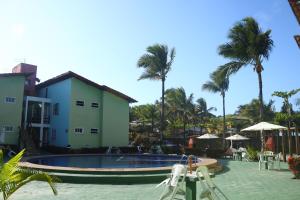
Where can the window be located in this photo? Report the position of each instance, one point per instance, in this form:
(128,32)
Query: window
(56,109)
(79,103)
(8,129)
(95,105)
(53,135)
(78,130)
(94,130)
(10,100)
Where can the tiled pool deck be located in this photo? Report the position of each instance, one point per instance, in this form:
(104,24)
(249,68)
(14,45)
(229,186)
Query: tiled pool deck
(239,180)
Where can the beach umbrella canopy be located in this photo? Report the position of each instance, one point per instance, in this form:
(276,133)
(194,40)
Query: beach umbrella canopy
(208,136)
(264,126)
(237,137)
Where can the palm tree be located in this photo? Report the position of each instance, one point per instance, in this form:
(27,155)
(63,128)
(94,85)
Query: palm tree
(248,45)
(12,177)
(203,111)
(181,105)
(157,63)
(286,96)
(219,83)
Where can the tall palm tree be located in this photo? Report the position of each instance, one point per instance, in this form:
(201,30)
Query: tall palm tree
(247,45)
(219,83)
(286,96)
(157,63)
(13,177)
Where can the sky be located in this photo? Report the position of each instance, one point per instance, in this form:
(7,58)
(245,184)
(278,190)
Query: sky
(102,41)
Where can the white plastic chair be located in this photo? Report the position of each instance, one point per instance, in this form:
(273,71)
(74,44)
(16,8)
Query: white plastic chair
(208,189)
(261,161)
(175,184)
(277,160)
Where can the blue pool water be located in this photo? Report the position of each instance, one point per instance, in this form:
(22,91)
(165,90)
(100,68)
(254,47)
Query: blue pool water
(109,161)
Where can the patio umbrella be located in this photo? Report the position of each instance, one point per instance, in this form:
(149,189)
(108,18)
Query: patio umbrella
(263,126)
(208,136)
(236,137)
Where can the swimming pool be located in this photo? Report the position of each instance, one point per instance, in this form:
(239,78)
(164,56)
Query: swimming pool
(109,168)
(109,161)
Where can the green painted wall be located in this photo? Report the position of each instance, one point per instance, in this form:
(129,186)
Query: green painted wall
(115,120)
(11,113)
(85,117)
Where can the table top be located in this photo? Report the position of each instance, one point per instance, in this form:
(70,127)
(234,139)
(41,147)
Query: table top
(193,177)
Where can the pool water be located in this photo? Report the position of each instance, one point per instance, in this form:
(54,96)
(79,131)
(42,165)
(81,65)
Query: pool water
(109,161)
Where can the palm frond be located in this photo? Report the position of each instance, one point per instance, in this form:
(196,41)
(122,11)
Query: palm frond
(211,87)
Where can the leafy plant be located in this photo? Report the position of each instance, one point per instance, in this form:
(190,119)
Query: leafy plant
(12,177)
(252,153)
(294,166)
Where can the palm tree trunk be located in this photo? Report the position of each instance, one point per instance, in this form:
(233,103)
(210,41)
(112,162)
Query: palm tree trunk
(297,140)
(261,102)
(162,109)
(184,138)
(283,147)
(224,121)
(289,138)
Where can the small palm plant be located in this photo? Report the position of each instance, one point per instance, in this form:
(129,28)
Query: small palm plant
(12,177)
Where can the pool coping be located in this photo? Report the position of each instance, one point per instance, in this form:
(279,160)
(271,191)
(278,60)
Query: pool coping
(25,163)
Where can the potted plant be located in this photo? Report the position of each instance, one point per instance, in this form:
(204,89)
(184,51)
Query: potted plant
(294,165)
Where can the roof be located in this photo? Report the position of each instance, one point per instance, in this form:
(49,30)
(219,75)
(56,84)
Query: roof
(71,74)
(295,5)
(14,74)
(297,38)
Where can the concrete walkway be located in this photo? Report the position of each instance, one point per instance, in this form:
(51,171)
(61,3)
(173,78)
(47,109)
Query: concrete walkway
(239,180)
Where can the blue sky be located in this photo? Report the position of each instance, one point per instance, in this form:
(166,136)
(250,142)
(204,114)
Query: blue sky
(102,40)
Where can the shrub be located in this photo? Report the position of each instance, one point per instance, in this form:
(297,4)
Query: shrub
(294,165)
(252,153)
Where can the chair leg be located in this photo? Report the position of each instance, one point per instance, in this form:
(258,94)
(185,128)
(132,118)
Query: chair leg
(166,194)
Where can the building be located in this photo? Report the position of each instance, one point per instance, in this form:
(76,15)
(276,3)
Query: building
(295,5)
(65,111)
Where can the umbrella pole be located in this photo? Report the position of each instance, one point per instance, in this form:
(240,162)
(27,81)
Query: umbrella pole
(262,140)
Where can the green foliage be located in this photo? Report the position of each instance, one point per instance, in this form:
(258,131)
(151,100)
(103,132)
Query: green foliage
(219,82)
(156,62)
(286,96)
(252,153)
(282,119)
(247,45)
(251,111)
(12,177)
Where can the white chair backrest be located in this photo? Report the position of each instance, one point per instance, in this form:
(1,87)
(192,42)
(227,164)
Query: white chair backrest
(242,149)
(177,170)
(278,156)
(269,153)
(261,157)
